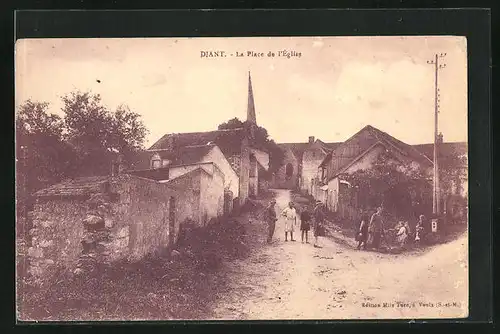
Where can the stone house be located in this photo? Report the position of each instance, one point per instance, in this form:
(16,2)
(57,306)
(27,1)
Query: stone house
(300,164)
(313,156)
(237,146)
(289,174)
(163,165)
(359,153)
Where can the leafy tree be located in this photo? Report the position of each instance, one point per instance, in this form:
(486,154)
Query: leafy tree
(402,189)
(42,156)
(233,123)
(98,134)
(450,172)
(261,141)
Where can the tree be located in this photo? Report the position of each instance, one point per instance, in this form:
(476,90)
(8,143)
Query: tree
(402,189)
(42,156)
(261,141)
(451,170)
(98,134)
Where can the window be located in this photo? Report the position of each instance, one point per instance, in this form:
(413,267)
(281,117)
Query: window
(156,161)
(289,170)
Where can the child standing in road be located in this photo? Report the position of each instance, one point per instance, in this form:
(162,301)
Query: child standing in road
(419,229)
(290,215)
(402,233)
(305,218)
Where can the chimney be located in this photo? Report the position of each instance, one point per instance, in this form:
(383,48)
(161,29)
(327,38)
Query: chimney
(311,139)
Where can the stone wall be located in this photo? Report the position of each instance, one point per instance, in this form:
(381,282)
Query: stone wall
(144,207)
(128,221)
(56,235)
(281,180)
(244,174)
(211,196)
(311,160)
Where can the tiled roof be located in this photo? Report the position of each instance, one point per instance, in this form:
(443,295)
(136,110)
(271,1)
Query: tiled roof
(328,146)
(445,149)
(83,186)
(181,156)
(332,146)
(229,141)
(140,160)
(349,150)
(296,148)
(189,154)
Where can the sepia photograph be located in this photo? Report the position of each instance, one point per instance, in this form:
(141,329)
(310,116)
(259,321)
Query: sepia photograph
(241,178)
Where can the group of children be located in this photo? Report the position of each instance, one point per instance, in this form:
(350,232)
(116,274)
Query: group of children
(369,234)
(290,217)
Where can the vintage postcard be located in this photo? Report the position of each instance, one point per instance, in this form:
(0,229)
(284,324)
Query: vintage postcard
(262,178)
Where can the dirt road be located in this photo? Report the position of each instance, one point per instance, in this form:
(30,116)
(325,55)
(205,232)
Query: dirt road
(291,280)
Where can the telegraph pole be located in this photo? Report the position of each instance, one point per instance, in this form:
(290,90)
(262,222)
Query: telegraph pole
(436,205)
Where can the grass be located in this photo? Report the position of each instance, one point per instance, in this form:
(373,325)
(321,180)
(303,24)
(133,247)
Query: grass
(179,285)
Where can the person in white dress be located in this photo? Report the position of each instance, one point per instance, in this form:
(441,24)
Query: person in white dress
(402,233)
(290,216)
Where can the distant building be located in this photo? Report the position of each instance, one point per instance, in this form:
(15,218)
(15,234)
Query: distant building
(314,167)
(289,174)
(164,165)
(300,164)
(236,146)
(359,153)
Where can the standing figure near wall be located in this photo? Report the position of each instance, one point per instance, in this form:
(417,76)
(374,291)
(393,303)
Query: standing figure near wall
(271,220)
(319,217)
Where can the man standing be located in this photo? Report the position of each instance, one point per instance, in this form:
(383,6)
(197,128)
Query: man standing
(319,217)
(376,229)
(290,215)
(362,235)
(271,220)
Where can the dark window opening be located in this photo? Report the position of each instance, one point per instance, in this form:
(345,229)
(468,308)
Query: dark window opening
(155,164)
(289,170)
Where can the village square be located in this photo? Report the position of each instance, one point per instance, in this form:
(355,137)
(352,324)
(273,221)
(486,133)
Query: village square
(229,224)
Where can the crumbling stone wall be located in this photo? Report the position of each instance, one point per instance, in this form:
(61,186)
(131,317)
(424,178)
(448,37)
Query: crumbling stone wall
(127,219)
(75,233)
(56,235)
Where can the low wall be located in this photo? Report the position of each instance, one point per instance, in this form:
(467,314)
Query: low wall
(128,221)
(56,235)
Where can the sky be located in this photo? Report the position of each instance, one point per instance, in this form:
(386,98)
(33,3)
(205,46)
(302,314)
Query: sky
(337,86)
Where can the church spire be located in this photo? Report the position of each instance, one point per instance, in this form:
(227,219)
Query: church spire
(251,104)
